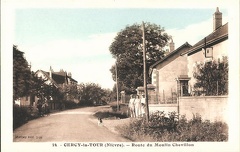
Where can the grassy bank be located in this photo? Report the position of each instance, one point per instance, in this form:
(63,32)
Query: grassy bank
(162,128)
(113,112)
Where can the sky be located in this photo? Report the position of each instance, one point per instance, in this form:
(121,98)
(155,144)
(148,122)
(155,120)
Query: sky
(77,40)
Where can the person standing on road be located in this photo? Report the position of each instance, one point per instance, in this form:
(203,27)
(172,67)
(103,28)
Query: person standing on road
(39,106)
(138,106)
(131,106)
(143,103)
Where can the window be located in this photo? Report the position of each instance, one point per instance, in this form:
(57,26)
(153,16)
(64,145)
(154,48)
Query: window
(182,85)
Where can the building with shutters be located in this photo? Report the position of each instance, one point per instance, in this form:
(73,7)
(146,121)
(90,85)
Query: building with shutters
(173,75)
(212,47)
(166,71)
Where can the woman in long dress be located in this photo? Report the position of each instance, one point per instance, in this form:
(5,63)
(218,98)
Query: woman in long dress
(131,106)
(143,103)
(138,106)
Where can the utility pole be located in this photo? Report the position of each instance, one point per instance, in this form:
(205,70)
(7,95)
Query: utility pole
(116,85)
(145,73)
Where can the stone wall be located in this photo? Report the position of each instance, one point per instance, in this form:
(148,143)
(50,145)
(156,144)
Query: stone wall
(213,108)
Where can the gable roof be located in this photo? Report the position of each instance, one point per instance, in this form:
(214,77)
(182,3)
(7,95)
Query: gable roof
(217,36)
(72,79)
(57,77)
(170,54)
(47,76)
(61,77)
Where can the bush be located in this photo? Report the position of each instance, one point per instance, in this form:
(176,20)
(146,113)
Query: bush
(162,128)
(123,109)
(140,130)
(70,104)
(20,116)
(110,115)
(212,77)
(32,112)
(198,130)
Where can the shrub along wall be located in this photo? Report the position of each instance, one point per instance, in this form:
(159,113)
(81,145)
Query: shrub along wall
(168,129)
(20,116)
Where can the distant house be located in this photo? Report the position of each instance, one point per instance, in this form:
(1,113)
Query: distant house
(60,78)
(167,71)
(213,47)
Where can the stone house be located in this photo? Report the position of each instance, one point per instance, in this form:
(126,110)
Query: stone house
(213,47)
(167,71)
(173,75)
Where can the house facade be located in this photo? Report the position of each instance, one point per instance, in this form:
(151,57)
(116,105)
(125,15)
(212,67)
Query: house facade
(58,79)
(167,73)
(213,47)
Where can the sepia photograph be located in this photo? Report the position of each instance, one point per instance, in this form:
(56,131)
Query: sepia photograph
(123,76)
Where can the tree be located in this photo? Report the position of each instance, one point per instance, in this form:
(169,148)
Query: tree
(107,96)
(45,91)
(70,92)
(127,50)
(91,93)
(22,78)
(212,77)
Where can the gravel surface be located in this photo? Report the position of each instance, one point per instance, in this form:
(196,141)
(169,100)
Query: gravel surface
(77,125)
(112,123)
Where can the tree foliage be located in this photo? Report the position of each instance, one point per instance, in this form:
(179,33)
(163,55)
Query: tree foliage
(212,77)
(45,91)
(22,79)
(91,94)
(127,49)
(70,92)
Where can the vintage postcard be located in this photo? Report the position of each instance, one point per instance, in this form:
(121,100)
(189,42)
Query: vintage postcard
(120,75)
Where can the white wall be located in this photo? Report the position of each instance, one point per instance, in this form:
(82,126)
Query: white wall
(213,108)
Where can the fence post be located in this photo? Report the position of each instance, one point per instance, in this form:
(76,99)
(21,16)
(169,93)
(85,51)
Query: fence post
(178,108)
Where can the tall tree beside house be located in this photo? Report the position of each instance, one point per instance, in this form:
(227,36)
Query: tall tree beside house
(127,50)
(70,92)
(21,74)
(212,77)
(45,91)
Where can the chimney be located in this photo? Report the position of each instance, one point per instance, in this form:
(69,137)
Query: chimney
(171,46)
(70,74)
(217,19)
(50,72)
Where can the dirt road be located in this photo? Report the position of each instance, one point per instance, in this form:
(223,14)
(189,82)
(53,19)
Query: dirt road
(66,126)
